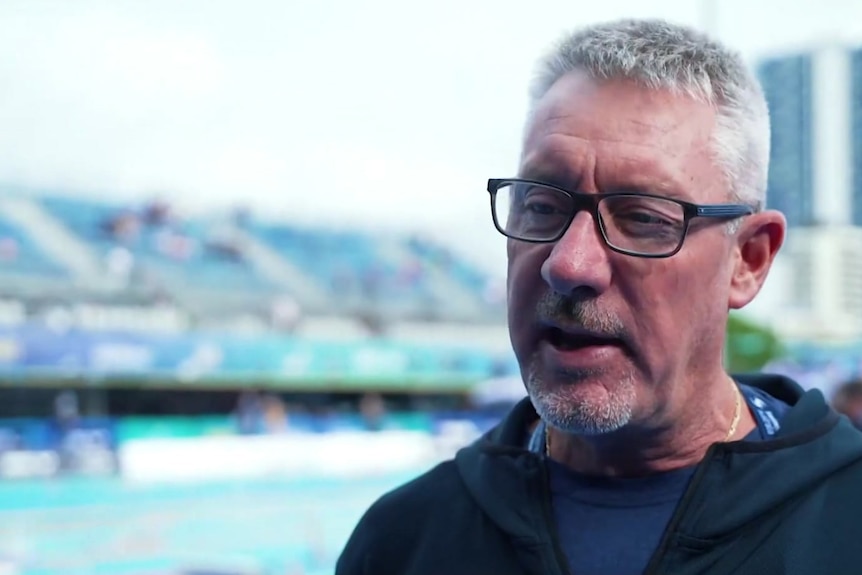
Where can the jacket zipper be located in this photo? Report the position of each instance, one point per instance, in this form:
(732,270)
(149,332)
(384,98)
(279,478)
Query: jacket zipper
(548,514)
(681,509)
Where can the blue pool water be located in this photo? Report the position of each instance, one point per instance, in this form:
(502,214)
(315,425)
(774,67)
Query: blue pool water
(105,527)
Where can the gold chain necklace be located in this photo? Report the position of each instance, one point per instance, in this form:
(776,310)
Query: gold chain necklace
(737,415)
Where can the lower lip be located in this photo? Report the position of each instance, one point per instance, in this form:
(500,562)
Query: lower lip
(582,357)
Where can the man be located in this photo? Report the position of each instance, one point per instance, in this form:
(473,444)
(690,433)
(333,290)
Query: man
(847,400)
(635,224)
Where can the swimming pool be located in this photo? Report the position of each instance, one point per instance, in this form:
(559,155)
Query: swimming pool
(105,527)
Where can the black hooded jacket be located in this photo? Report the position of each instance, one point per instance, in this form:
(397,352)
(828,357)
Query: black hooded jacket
(789,505)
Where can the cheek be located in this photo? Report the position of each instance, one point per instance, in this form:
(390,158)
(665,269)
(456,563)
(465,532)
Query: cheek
(522,293)
(698,306)
(524,285)
(707,286)
(524,273)
(670,299)
(651,300)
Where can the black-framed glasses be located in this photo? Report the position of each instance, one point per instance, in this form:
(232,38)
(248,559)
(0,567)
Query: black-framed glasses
(632,223)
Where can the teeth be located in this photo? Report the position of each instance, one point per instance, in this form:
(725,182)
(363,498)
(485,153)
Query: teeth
(561,340)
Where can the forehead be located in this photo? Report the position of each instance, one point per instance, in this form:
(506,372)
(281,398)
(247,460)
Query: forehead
(610,133)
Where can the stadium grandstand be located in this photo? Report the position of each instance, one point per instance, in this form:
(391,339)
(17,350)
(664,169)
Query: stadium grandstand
(245,367)
(87,268)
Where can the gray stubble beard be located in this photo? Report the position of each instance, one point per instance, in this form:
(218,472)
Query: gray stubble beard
(558,406)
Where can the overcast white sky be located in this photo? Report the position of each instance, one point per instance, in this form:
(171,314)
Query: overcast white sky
(365,111)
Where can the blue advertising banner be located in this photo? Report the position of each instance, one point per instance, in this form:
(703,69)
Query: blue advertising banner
(32,349)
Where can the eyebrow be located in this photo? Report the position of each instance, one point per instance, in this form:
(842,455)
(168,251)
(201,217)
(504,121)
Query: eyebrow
(547,170)
(549,177)
(659,184)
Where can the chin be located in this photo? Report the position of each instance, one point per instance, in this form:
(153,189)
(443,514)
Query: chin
(589,402)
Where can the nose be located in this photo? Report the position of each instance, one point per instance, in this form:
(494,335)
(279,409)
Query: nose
(579,261)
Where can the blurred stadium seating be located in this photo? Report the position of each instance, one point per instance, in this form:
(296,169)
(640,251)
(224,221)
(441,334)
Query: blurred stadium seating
(21,255)
(141,350)
(231,264)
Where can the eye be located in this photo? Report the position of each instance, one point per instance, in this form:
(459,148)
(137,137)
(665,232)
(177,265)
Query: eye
(542,201)
(641,217)
(540,208)
(644,217)
(640,210)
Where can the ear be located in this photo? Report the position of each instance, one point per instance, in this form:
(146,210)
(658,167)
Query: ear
(757,242)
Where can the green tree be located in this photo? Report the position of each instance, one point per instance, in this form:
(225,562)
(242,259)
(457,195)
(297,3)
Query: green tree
(749,346)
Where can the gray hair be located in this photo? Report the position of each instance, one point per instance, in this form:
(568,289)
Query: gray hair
(660,55)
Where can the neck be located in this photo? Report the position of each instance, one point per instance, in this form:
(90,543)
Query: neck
(644,448)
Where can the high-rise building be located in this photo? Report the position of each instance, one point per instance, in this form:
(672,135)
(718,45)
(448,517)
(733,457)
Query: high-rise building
(815,178)
(814,99)
(856,132)
(814,290)
(788,90)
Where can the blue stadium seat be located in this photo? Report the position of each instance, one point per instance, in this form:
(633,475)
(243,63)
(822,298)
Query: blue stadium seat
(346,263)
(194,261)
(349,266)
(19,253)
(465,274)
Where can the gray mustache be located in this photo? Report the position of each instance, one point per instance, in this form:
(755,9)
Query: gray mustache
(567,311)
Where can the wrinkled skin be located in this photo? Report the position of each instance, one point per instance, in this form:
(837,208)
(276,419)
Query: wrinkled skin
(663,378)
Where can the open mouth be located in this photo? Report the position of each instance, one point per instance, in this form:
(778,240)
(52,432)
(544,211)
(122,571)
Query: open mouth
(566,341)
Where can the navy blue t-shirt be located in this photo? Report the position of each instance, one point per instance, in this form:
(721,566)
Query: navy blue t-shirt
(612,526)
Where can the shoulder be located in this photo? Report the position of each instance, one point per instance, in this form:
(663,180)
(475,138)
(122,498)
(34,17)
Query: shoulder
(440,483)
(390,528)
